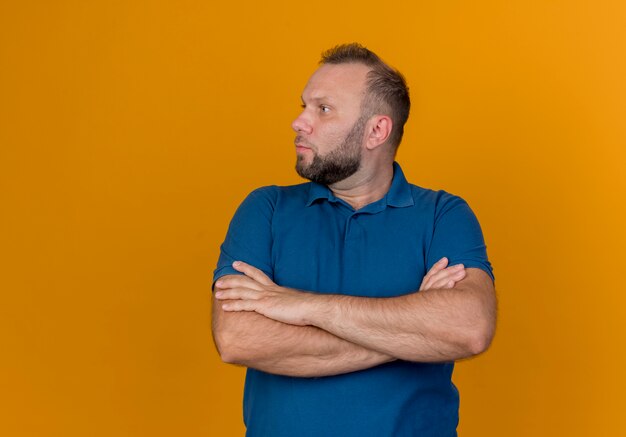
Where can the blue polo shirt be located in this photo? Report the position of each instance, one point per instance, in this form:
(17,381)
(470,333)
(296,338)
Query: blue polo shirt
(304,237)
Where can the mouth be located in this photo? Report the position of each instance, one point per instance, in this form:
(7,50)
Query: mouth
(300,146)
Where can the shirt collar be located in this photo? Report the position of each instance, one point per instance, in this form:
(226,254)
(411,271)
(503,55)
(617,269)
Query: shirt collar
(399,194)
(319,191)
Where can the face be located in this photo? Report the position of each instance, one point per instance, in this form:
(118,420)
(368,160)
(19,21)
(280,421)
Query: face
(338,164)
(331,129)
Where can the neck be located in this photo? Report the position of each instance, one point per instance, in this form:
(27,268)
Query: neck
(365,186)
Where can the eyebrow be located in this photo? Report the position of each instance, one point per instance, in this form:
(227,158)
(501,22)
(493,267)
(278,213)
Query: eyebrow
(318,99)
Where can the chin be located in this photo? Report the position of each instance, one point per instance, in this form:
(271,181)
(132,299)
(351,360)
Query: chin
(303,161)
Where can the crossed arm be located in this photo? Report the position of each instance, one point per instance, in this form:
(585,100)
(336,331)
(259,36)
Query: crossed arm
(259,324)
(253,340)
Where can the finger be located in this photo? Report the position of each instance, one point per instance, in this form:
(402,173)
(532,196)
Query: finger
(237,293)
(441,278)
(239,305)
(450,273)
(445,285)
(235,281)
(436,268)
(252,272)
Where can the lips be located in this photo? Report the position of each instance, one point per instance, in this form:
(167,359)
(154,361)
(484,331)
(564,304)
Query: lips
(301,144)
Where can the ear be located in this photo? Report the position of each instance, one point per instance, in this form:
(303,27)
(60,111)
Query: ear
(380,129)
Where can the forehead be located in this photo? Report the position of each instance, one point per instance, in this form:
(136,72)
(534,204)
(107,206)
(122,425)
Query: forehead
(341,82)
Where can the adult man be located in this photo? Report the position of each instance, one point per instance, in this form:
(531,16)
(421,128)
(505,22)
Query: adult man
(317,284)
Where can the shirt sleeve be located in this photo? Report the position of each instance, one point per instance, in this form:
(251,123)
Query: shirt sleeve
(457,235)
(249,236)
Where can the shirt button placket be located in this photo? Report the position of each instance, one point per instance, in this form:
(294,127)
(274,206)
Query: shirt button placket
(351,227)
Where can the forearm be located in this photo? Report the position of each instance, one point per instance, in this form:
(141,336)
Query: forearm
(432,325)
(253,340)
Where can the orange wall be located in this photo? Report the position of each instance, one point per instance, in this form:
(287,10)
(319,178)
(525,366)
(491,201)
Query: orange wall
(130,131)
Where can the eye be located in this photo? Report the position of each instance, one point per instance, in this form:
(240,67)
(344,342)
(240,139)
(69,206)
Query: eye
(324,108)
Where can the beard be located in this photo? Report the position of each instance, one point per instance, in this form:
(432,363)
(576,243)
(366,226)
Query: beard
(339,164)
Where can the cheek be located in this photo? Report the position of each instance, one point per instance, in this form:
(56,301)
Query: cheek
(328,138)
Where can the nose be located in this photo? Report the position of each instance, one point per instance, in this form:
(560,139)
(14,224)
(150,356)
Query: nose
(301,124)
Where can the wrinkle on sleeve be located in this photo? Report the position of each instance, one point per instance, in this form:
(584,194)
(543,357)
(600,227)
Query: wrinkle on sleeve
(457,235)
(249,236)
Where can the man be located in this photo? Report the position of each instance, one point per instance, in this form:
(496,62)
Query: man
(321,288)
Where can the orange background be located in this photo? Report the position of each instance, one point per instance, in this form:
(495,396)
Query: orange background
(130,131)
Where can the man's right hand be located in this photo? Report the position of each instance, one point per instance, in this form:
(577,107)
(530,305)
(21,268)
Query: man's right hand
(441,276)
